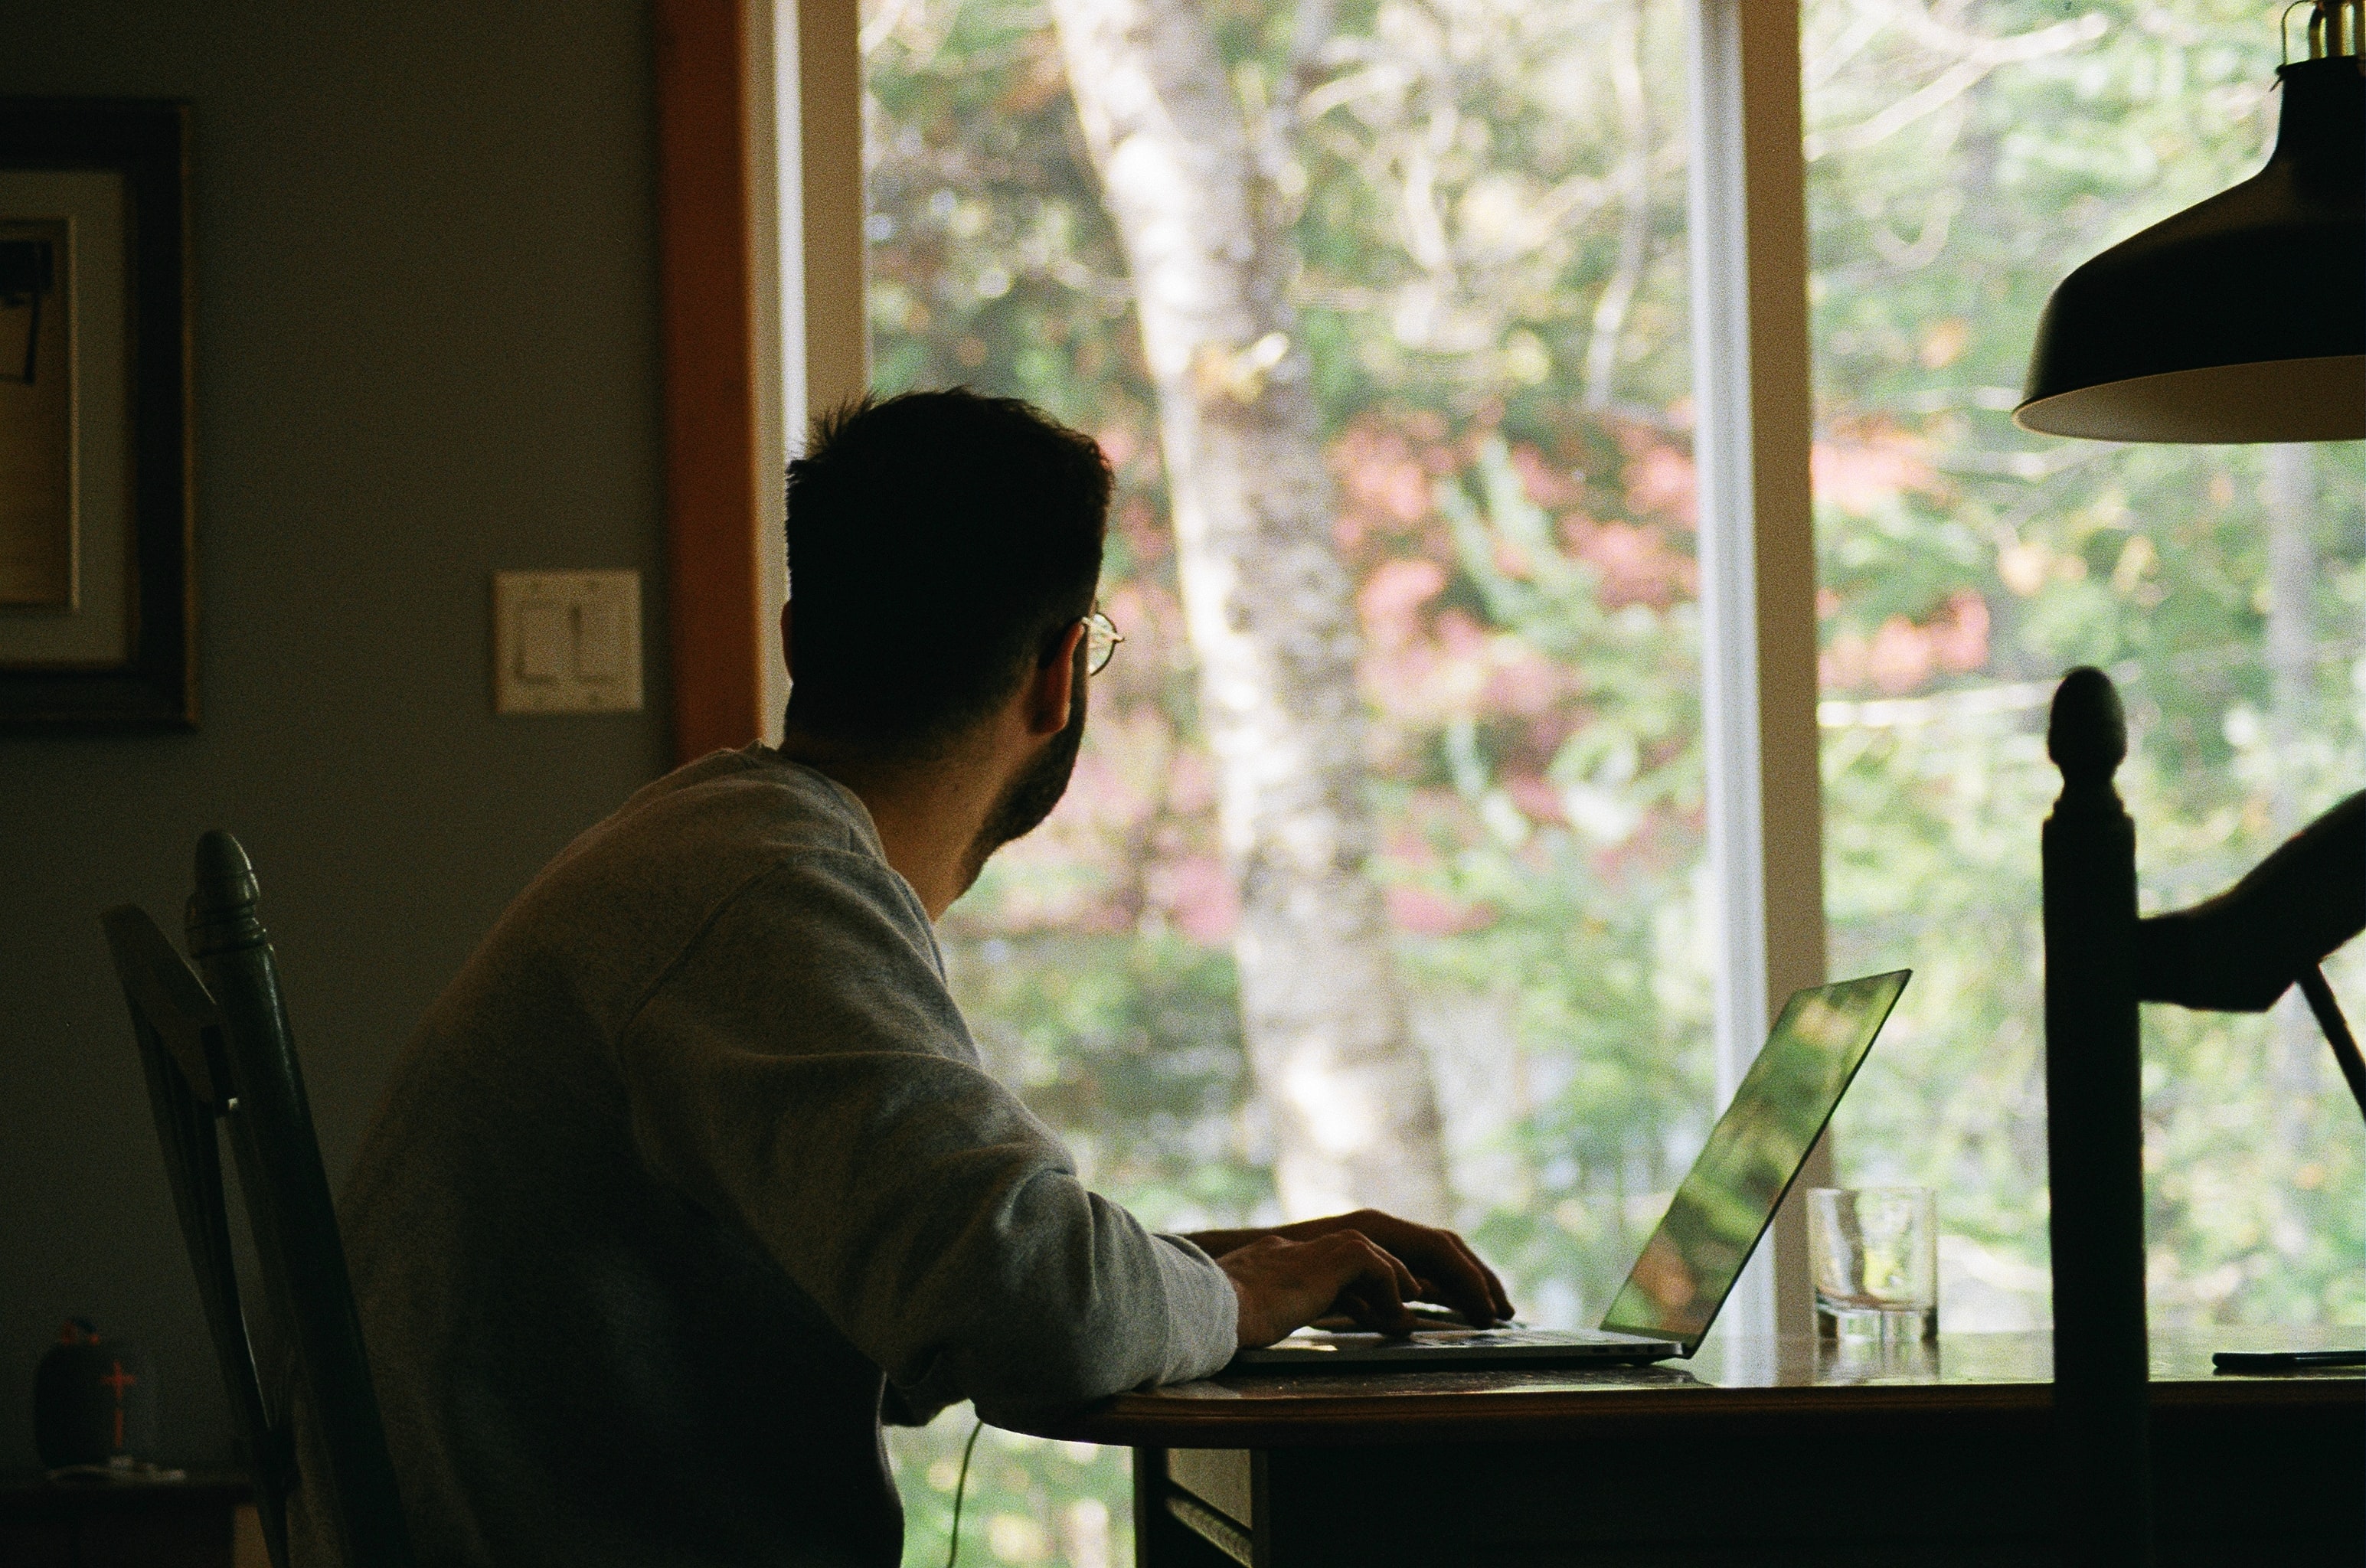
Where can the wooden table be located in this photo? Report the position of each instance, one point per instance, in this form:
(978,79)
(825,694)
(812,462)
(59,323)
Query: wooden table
(203,1520)
(1756,1454)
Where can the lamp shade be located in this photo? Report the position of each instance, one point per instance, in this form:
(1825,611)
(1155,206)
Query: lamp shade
(2243,317)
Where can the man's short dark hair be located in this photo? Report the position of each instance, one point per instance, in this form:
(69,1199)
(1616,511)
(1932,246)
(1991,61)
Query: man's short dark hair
(939,545)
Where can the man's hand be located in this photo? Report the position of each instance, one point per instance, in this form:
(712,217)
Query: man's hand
(1368,1262)
(1282,1283)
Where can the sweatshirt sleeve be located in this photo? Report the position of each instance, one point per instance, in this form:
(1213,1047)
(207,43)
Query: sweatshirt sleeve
(802,1073)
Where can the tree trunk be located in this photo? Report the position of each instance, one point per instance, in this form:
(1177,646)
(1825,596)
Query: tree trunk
(1270,609)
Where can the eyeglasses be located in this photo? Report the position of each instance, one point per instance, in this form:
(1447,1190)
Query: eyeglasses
(1101,637)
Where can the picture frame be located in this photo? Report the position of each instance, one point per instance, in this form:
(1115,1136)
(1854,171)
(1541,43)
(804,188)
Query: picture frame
(97,581)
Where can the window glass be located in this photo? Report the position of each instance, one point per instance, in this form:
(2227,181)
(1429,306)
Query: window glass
(1963,156)
(1381,878)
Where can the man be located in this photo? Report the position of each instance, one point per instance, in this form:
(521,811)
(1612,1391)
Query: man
(694,1174)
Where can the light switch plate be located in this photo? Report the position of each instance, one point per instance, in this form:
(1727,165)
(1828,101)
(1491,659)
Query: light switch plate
(567,641)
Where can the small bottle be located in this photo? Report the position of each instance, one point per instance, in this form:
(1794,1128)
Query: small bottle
(94,1403)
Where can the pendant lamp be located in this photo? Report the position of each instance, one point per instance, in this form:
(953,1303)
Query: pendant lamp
(2244,317)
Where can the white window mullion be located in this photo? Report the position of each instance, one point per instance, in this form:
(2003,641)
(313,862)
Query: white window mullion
(835,334)
(774,196)
(1757,563)
(810,57)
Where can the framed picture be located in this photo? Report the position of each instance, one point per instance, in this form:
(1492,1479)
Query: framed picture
(97,596)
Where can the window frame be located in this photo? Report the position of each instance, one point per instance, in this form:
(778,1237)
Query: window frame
(707,260)
(1753,388)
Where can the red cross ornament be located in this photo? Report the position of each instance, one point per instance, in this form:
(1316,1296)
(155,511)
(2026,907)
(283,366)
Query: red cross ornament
(118,1379)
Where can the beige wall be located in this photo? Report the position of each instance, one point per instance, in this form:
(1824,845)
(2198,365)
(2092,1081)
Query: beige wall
(425,350)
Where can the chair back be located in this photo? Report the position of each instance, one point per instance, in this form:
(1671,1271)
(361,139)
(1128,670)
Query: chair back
(2239,952)
(215,1044)
(2095,1138)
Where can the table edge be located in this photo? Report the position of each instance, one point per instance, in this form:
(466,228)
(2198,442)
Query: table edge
(1152,1420)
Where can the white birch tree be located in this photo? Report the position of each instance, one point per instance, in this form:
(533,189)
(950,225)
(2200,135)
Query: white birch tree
(1270,609)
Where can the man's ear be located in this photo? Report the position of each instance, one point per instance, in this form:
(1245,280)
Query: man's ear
(788,648)
(1055,686)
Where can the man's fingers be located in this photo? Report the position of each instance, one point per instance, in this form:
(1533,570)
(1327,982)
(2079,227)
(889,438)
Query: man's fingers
(1466,1290)
(1496,1291)
(1374,1306)
(1455,1277)
(1374,1283)
(1366,1265)
(1378,1316)
(1496,1295)
(1374,1259)
(1355,1253)
(1458,1278)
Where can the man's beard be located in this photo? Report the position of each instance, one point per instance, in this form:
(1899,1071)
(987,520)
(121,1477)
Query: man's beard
(1031,797)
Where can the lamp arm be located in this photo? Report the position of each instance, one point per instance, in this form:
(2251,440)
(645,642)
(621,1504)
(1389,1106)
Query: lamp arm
(2337,1032)
(2240,951)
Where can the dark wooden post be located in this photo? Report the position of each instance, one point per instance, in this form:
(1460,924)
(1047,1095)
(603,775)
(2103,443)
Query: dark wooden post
(2094,1137)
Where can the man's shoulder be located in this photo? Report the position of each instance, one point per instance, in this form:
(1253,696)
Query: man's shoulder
(740,801)
(634,892)
(723,818)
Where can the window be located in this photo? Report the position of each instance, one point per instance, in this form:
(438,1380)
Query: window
(1440,248)
(1961,160)
(1392,800)
(1382,880)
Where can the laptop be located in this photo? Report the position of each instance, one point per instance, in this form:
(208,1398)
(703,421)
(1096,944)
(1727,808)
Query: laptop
(1722,1207)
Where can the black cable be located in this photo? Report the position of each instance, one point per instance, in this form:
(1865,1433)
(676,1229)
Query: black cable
(961,1486)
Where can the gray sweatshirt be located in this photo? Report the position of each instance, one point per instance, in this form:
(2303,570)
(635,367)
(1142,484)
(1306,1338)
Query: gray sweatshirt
(693,1171)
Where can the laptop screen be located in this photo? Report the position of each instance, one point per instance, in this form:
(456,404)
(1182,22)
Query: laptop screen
(1730,1196)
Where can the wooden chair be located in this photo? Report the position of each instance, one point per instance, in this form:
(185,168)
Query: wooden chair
(2239,952)
(215,1043)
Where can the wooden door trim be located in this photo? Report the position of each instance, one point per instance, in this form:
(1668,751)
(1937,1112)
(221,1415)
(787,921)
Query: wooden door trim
(707,308)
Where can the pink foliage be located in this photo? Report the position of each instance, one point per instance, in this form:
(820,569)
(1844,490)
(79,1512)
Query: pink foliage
(1119,443)
(1521,682)
(1634,562)
(1136,840)
(1384,487)
(1536,799)
(1462,636)
(1391,598)
(1424,913)
(1659,842)
(1398,681)
(1901,656)
(1544,484)
(1859,475)
(1544,734)
(1660,479)
(1151,617)
(1191,783)
(1110,792)
(1409,848)
(1146,532)
(1962,639)
(1197,895)
(1424,682)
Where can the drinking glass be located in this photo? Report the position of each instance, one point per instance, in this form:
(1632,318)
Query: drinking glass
(1875,1252)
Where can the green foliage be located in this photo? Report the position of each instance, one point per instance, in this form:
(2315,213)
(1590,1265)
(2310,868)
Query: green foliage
(1130,1045)
(1030,1500)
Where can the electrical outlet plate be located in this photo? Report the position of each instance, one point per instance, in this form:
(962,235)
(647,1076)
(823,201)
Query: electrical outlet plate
(567,641)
